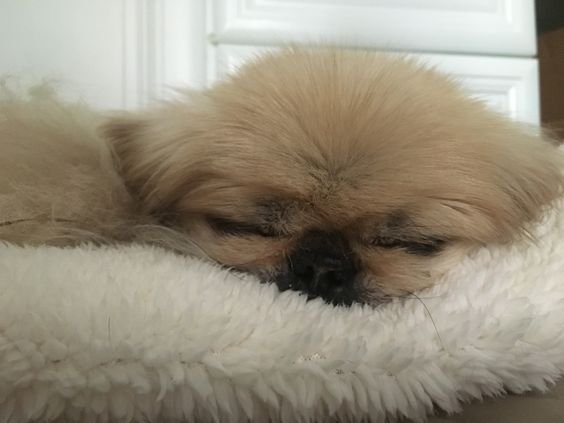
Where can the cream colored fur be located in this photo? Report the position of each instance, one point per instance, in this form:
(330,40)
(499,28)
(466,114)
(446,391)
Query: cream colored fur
(387,155)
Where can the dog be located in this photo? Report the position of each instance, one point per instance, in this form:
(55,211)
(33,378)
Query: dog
(348,175)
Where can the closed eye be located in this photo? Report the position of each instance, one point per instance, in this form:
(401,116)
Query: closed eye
(424,247)
(232,227)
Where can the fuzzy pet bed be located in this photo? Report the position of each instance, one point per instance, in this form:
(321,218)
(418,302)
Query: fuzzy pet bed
(140,334)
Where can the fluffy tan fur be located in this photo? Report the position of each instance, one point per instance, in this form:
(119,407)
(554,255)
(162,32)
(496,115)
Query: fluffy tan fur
(373,147)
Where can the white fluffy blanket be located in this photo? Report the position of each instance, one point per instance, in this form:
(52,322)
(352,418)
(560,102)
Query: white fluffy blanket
(137,333)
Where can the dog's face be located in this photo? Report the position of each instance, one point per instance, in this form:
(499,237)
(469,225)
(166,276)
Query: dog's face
(346,175)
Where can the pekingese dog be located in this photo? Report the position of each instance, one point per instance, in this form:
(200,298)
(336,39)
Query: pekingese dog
(347,175)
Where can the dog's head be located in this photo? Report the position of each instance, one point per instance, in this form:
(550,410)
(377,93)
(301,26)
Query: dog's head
(344,174)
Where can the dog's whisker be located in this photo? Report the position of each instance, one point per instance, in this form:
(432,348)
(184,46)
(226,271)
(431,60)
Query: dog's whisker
(428,312)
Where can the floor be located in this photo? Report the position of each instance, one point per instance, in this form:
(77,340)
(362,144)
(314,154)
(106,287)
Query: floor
(529,408)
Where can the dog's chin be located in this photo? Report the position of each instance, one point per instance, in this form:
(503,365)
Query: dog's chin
(361,290)
(337,295)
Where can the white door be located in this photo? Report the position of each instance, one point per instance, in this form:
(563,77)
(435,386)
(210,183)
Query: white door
(123,53)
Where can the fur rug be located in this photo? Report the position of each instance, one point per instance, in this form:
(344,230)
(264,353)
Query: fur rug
(139,334)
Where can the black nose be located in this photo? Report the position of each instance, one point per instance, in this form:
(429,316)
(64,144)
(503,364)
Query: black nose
(323,266)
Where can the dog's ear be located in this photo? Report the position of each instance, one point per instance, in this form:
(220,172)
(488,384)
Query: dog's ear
(122,130)
(125,134)
(152,151)
(516,172)
(531,174)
